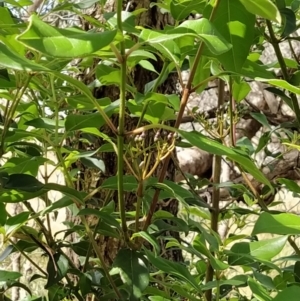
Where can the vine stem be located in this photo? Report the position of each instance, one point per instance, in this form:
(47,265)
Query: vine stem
(185,96)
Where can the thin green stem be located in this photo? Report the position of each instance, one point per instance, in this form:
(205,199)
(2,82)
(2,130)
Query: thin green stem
(121,127)
(275,44)
(216,191)
(11,111)
(231,110)
(28,257)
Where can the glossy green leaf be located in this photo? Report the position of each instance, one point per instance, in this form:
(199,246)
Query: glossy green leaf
(181,9)
(148,237)
(11,59)
(283,224)
(6,19)
(289,21)
(15,222)
(93,120)
(70,192)
(240,90)
(24,165)
(45,123)
(63,43)
(214,147)
(289,184)
(290,293)
(236,25)
(85,284)
(94,163)
(16,196)
(262,119)
(253,70)
(81,248)
(133,271)
(264,8)
(105,216)
(281,84)
(207,32)
(173,268)
(130,183)
(21,182)
(9,276)
(265,280)
(62,203)
(163,43)
(264,249)
(56,270)
(259,292)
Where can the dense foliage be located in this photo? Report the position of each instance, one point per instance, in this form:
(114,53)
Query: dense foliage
(45,103)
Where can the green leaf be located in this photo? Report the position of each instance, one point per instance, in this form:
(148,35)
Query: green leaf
(133,271)
(130,183)
(70,192)
(297,271)
(15,222)
(81,248)
(93,120)
(16,196)
(240,90)
(289,21)
(282,95)
(148,237)
(163,43)
(262,119)
(147,66)
(22,182)
(264,249)
(63,43)
(11,59)
(172,268)
(264,8)
(93,163)
(289,184)
(290,293)
(45,123)
(283,224)
(105,216)
(253,70)
(62,203)
(216,148)
(207,32)
(85,284)
(181,9)
(9,276)
(236,25)
(259,292)
(281,84)
(56,270)
(265,280)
